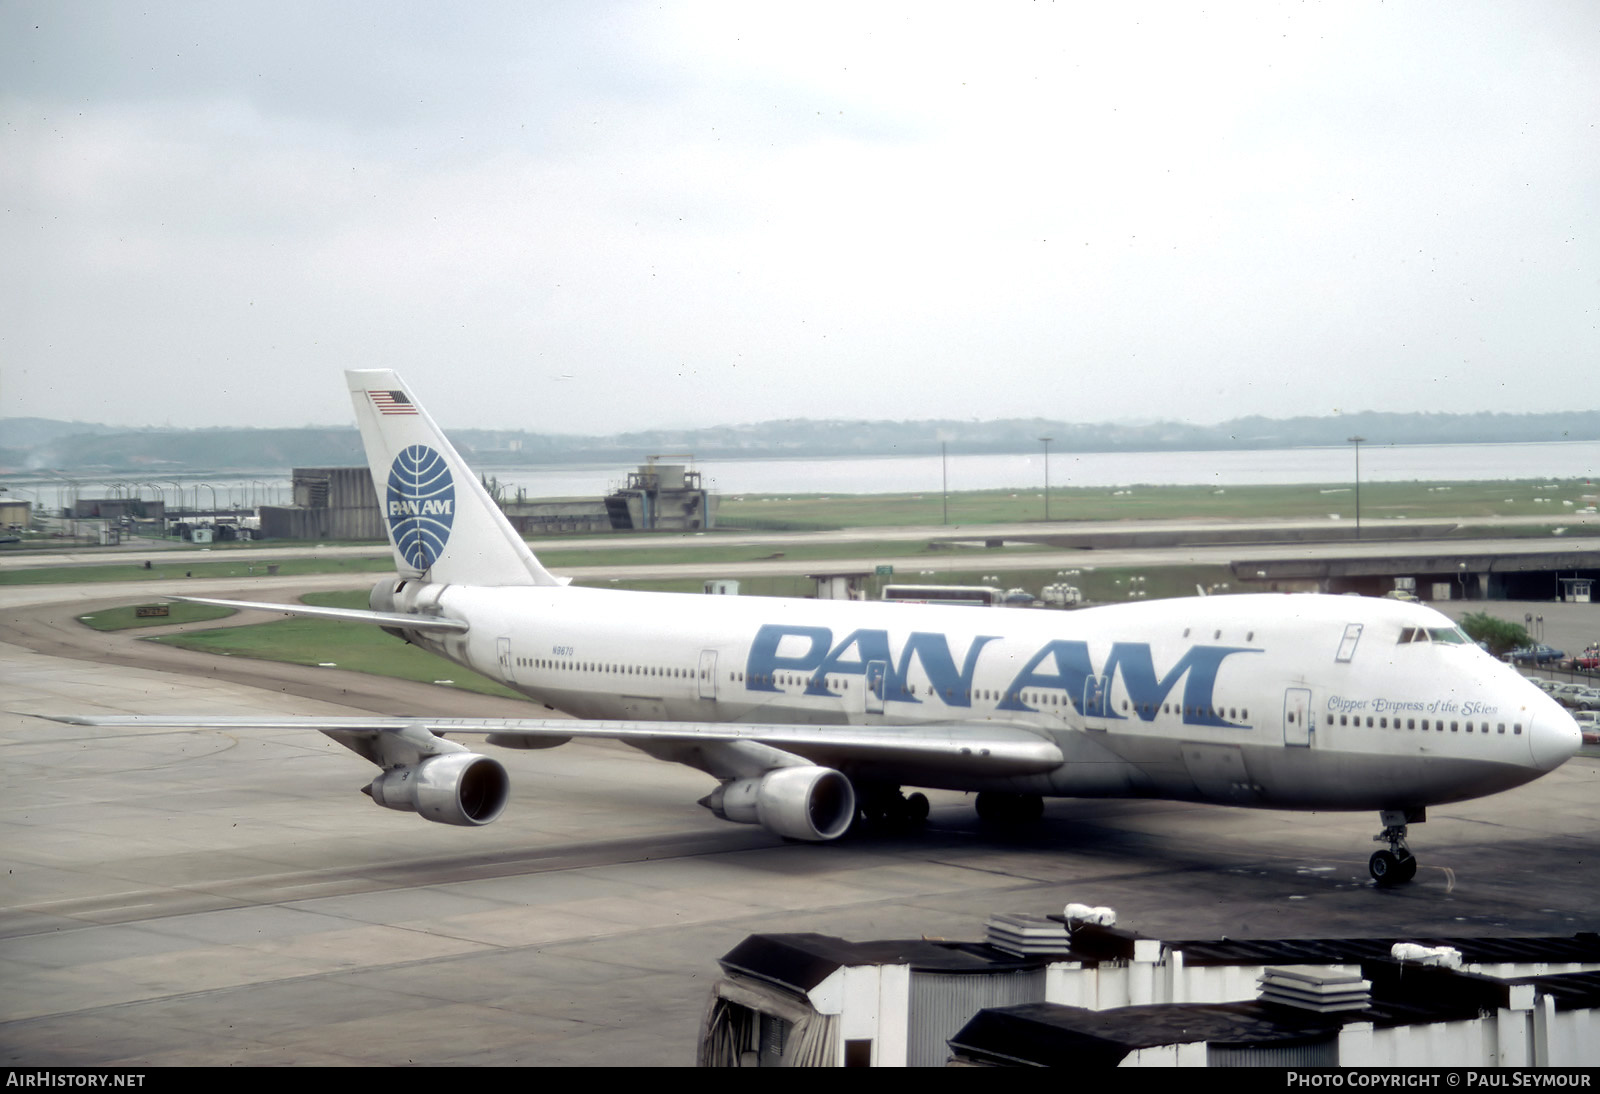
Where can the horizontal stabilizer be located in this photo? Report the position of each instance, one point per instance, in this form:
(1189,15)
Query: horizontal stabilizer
(348,615)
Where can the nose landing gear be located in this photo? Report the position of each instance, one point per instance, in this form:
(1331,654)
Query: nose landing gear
(1396,866)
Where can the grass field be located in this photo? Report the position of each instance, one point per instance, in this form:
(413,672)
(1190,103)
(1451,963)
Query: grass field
(1412,500)
(188,567)
(358,647)
(1102,586)
(708,549)
(121,619)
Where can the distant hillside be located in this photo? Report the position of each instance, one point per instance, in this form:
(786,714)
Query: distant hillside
(31,432)
(35,444)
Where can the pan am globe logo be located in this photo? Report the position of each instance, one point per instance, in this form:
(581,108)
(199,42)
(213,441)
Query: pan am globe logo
(421,505)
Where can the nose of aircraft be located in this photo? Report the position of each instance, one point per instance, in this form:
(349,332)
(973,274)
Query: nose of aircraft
(1553,736)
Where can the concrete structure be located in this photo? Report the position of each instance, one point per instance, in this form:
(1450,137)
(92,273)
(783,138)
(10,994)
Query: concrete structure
(555,516)
(1470,573)
(1046,990)
(662,497)
(340,503)
(117,509)
(15,514)
(329,503)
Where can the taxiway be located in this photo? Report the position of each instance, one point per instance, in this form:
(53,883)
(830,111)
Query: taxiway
(220,898)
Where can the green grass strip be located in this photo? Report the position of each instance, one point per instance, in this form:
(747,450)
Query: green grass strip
(358,647)
(121,619)
(165,570)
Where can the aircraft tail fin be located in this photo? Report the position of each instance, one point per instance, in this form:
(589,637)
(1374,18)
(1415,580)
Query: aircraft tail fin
(442,524)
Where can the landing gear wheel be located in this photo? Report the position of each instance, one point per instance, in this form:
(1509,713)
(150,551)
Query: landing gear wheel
(1002,808)
(1389,869)
(1396,866)
(883,807)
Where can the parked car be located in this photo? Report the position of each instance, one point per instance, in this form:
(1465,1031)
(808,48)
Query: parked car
(1588,659)
(1587,699)
(1589,725)
(1540,654)
(1576,696)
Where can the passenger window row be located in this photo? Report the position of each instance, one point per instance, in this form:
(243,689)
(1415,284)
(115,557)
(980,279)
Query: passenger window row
(785,679)
(615,670)
(1437,725)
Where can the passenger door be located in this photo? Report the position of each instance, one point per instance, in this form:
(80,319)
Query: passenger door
(1297,728)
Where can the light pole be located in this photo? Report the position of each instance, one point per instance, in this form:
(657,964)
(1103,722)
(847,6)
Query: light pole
(1046,441)
(1357,442)
(944,473)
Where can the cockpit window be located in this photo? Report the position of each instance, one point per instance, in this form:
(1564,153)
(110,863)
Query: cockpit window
(1453,636)
(1347,645)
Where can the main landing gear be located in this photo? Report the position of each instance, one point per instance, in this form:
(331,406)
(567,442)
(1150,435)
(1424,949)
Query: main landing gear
(1396,866)
(1003,808)
(879,806)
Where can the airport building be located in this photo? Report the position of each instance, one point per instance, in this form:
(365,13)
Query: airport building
(1068,991)
(662,497)
(116,509)
(340,503)
(15,514)
(329,503)
(557,516)
(1539,572)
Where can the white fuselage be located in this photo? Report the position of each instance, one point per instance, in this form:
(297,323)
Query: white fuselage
(1309,702)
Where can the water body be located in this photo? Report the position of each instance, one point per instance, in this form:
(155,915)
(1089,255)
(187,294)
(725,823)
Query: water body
(1565,461)
(1561,461)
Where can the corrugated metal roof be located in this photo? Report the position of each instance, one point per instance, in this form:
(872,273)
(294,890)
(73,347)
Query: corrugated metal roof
(1052,1035)
(802,961)
(1581,947)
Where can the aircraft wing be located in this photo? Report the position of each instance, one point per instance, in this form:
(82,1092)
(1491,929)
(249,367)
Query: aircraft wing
(973,748)
(347,615)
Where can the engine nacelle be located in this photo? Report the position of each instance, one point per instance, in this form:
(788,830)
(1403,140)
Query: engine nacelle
(805,803)
(381,598)
(457,788)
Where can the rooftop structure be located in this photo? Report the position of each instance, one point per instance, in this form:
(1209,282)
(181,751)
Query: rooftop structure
(1062,990)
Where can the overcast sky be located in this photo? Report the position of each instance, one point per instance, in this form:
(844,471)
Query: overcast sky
(587,217)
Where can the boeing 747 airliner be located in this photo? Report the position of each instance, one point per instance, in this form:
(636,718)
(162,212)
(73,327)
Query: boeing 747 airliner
(811,715)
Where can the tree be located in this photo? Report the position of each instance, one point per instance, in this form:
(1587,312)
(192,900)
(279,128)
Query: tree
(1501,636)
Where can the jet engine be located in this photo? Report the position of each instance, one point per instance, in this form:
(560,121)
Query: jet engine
(455,788)
(381,598)
(804,803)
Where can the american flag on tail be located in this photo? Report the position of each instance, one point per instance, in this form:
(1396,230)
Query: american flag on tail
(391,402)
